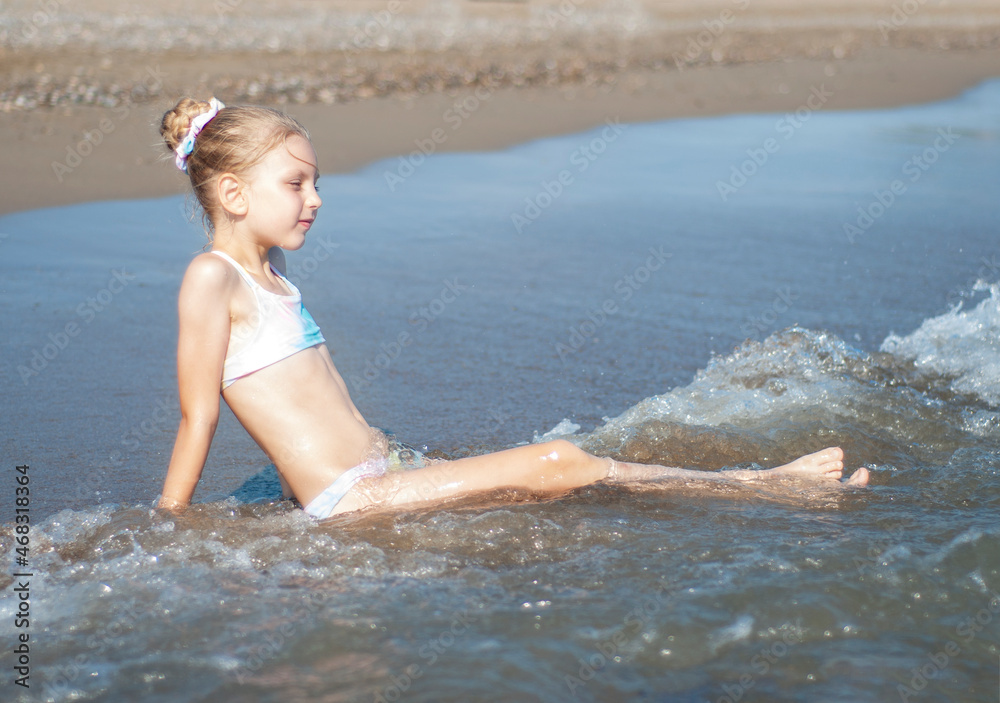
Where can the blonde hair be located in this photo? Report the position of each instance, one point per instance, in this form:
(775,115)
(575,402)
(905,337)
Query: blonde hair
(234,141)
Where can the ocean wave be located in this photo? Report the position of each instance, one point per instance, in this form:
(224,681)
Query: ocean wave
(924,395)
(959,349)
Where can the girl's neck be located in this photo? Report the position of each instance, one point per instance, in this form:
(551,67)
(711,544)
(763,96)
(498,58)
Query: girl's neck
(250,255)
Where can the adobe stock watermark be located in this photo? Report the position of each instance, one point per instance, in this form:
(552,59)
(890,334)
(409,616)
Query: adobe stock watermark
(612,649)
(93,138)
(429,651)
(901,14)
(367,35)
(565,10)
(271,643)
(913,169)
(454,117)
(756,327)
(86,313)
(879,550)
(965,632)
(444,471)
(390,351)
(705,39)
(786,128)
(41,18)
(581,158)
(624,288)
(164,418)
(761,663)
(498,418)
(223,8)
(989,270)
(299,271)
(60,684)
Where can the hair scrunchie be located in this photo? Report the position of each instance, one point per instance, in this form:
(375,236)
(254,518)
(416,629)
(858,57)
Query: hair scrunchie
(186,146)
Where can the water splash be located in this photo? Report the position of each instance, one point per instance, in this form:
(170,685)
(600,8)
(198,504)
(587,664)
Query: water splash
(960,347)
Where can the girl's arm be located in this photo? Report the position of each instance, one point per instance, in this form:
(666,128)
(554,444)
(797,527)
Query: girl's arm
(203,311)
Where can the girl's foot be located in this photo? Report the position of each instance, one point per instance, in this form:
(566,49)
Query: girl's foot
(825,464)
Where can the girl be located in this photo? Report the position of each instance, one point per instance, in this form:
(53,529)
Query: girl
(244,330)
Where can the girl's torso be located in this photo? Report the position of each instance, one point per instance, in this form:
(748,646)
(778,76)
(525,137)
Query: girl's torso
(276,326)
(297,408)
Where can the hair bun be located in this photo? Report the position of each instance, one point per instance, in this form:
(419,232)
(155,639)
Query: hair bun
(176,122)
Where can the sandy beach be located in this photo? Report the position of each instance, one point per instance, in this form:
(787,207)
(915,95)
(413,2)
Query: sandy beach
(81,92)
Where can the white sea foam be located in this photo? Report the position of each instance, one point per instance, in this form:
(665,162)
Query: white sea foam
(962,345)
(739,629)
(790,370)
(565,428)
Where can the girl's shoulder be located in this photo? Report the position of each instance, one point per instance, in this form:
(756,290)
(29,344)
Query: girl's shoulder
(207,292)
(209,274)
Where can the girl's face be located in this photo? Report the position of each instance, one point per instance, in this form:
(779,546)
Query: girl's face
(283,197)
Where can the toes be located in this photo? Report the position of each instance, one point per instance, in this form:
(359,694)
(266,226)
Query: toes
(833,453)
(825,456)
(860,478)
(828,468)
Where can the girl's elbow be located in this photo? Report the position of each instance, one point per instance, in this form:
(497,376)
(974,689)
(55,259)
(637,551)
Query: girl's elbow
(203,421)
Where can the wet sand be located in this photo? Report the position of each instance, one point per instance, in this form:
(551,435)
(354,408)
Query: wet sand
(81,97)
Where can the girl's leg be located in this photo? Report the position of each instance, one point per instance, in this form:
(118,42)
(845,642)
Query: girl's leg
(553,468)
(550,468)
(825,464)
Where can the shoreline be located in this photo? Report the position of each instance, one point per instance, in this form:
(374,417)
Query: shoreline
(78,153)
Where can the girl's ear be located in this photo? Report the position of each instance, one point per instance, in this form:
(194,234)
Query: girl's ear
(232,194)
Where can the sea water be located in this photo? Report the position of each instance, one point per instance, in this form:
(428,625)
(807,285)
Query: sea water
(704,293)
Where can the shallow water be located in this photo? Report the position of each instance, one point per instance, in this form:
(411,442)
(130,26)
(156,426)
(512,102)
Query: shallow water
(637,311)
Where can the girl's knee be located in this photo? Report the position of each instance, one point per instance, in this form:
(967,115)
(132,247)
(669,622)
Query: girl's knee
(560,450)
(566,465)
(566,453)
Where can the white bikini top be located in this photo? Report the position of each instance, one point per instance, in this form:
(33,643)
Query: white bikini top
(280,327)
